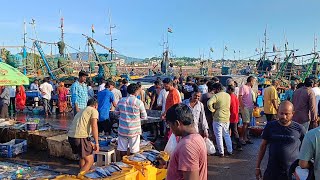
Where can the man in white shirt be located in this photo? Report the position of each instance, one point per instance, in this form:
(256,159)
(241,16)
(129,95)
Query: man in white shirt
(12,93)
(46,90)
(203,86)
(35,85)
(316,91)
(102,86)
(117,96)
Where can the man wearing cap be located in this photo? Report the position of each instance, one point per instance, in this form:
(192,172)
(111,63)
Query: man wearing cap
(304,102)
(79,93)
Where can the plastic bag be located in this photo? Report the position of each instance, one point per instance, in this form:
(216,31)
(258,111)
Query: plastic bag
(210,147)
(171,145)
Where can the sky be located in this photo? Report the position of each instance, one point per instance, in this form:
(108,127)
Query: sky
(141,25)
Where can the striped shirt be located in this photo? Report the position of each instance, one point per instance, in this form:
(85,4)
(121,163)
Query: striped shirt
(79,95)
(131,111)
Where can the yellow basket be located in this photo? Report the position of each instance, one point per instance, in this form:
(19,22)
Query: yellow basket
(145,169)
(125,174)
(161,174)
(66,177)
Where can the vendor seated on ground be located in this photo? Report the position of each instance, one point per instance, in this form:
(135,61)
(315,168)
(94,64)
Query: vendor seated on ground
(83,125)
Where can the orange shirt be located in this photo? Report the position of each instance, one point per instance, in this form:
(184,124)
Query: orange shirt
(173,98)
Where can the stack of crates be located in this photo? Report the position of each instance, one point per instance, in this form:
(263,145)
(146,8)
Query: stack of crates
(13,148)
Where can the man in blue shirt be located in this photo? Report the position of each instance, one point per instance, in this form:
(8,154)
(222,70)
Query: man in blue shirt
(283,137)
(79,93)
(105,98)
(123,88)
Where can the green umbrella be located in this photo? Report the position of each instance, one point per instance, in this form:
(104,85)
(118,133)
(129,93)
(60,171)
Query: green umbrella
(10,76)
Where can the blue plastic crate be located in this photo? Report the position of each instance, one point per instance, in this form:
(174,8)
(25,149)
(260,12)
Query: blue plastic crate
(13,148)
(33,94)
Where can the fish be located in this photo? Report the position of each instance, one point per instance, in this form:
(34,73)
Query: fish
(153,151)
(102,172)
(121,164)
(116,167)
(111,169)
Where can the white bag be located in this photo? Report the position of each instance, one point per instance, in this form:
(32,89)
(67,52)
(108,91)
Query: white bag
(171,145)
(210,147)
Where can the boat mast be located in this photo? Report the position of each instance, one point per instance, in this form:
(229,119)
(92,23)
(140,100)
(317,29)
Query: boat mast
(265,47)
(110,33)
(62,27)
(24,47)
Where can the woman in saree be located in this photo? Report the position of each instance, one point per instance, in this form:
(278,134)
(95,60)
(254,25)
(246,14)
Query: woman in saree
(20,98)
(62,95)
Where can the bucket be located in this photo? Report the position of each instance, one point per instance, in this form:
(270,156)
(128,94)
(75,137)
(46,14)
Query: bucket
(31,126)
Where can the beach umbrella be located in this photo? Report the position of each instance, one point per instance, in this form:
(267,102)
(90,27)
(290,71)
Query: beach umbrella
(10,76)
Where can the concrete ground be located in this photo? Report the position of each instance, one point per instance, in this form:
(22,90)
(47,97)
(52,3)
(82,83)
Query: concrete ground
(239,166)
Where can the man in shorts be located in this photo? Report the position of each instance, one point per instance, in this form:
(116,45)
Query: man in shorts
(246,107)
(131,111)
(83,125)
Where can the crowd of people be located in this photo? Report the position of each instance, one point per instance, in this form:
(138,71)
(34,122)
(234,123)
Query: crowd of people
(193,110)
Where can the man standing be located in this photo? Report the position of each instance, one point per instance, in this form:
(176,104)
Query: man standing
(304,102)
(310,150)
(204,99)
(219,105)
(234,116)
(79,93)
(289,92)
(173,96)
(46,90)
(199,117)
(188,88)
(123,88)
(35,85)
(246,107)
(131,111)
(189,159)
(117,96)
(271,101)
(83,125)
(102,86)
(4,101)
(203,86)
(155,94)
(316,91)
(105,99)
(12,90)
(284,138)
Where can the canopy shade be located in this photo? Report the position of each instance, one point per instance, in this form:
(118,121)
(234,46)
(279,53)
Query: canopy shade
(10,76)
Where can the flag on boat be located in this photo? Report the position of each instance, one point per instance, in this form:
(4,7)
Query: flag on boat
(226,48)
(169,30)
(234,51)
(274,49)
(257,50)
(92,29)
(211,49)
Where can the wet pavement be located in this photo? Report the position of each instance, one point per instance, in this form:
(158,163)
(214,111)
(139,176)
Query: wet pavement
(239,166)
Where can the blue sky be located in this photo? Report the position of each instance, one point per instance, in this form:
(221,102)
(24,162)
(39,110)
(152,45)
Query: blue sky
(141,24)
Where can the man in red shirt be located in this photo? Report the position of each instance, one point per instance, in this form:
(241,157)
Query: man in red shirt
(189,159)
(234,116)
(172,99)
(173,96)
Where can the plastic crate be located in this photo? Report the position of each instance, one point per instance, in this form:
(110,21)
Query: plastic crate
(33,94)
(145,169)
(129,173)
(13,148)
(161,174)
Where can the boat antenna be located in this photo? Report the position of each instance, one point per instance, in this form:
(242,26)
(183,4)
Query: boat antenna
(110,33)
(62,26)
